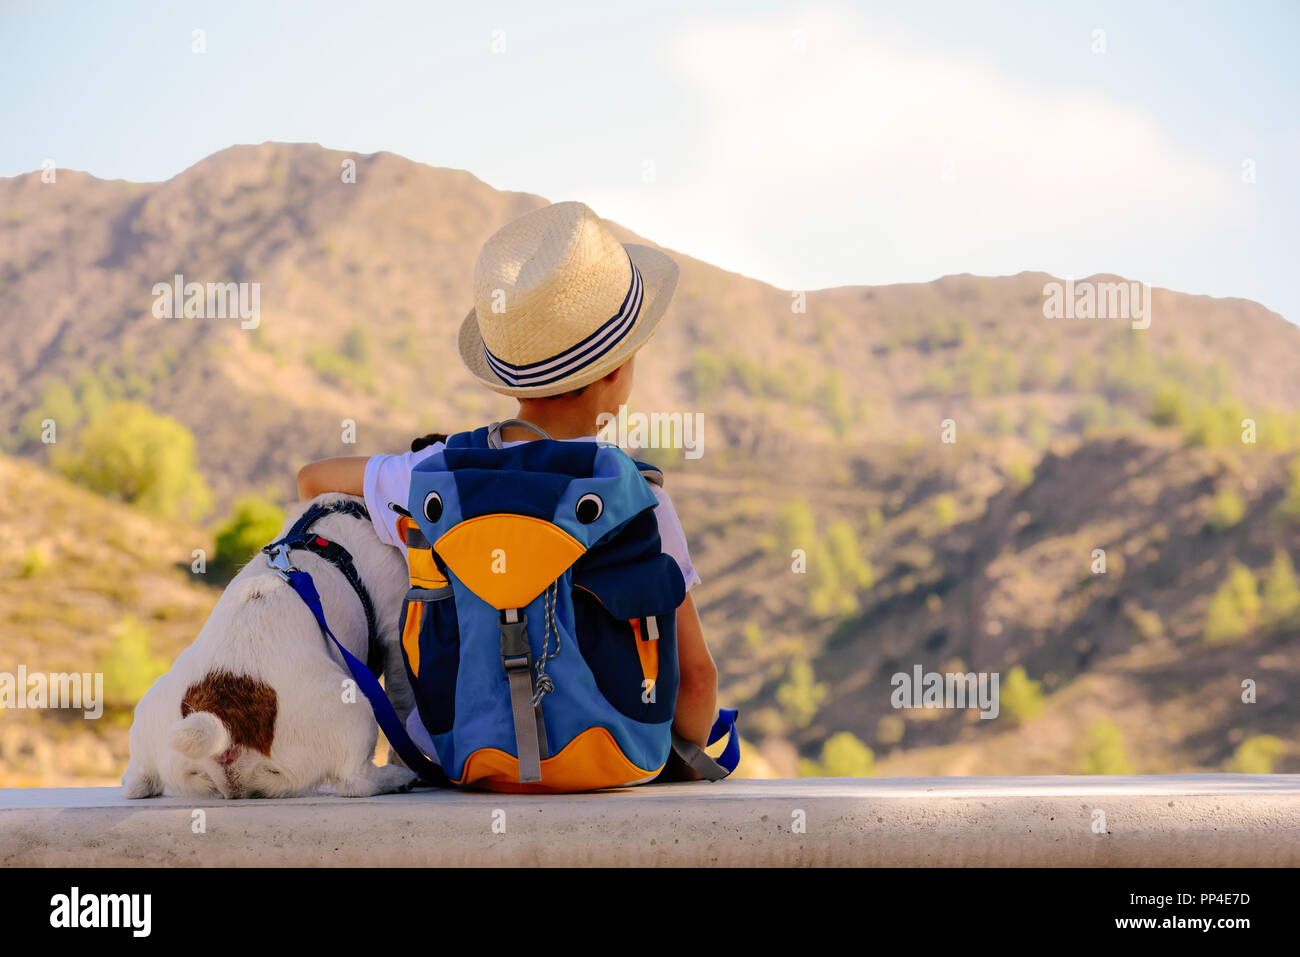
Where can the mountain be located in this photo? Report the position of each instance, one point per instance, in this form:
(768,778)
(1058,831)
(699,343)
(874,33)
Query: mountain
(825,417)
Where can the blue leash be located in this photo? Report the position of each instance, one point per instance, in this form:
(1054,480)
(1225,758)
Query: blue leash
(430,773)
(391,725)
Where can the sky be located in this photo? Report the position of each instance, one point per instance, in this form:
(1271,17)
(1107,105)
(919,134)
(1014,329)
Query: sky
(805,144)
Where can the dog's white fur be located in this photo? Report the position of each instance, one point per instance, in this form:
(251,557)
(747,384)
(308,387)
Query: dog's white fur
(262,629)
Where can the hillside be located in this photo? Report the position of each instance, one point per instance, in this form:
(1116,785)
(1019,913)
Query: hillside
(822,433)
(77,571)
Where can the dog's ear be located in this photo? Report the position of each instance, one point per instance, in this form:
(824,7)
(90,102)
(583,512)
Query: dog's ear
(138,782)
(200,735)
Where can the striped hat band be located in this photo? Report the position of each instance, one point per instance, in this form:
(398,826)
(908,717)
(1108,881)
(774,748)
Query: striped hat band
(580,355)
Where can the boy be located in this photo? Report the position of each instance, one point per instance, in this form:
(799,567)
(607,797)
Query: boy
(561,308)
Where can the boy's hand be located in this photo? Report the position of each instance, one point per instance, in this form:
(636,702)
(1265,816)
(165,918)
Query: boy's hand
(345,474)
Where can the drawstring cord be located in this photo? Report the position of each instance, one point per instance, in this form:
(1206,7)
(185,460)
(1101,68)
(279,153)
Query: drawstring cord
(545,685)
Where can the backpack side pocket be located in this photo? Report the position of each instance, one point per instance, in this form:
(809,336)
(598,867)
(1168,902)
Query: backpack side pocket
(430,632)
(633,661)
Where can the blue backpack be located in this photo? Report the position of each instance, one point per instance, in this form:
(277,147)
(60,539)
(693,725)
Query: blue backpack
(539,632)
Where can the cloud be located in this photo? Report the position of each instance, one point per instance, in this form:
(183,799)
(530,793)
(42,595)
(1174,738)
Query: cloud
(832,149)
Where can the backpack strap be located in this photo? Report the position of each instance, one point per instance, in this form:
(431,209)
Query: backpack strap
(517,662)
(494,431)
(489,436)
(703,765)
(651,473)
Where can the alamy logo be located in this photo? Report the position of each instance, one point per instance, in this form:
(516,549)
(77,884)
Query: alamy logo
(658,430)
(950,690)
(1100,300)
(179,299)
(75,909)
(38,690)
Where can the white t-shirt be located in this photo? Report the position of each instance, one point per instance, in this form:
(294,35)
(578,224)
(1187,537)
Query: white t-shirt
(388,479)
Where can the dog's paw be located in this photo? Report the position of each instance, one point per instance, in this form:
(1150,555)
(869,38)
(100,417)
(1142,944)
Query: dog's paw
(372,780)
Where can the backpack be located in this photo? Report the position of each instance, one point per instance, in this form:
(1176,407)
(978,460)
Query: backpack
(539,631)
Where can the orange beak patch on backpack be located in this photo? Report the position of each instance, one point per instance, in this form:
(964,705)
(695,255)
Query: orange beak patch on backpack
(507,559)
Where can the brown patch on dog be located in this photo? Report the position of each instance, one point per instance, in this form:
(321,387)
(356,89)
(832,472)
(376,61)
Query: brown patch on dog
(244,705)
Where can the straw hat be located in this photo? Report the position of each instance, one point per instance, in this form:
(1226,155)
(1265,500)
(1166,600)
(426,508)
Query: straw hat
(559,302)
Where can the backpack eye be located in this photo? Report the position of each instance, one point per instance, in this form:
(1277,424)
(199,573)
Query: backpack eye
(589,508)
(433,506)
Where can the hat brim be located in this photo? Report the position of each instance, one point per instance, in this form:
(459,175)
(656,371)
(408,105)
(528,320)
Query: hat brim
(659,274)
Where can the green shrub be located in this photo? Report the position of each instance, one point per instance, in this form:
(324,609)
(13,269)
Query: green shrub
(844,756)
(708,373)
(133,454)
(1170,406)
(1234,609)
(1020,697)
(842,545)
(58,403)
(357,346)
(835,400)
(34,562)
(1291,504)
(801,695)
(1257,754)
(796,527)
(1227,511)
(1280,606)
(252,523)
(1083,372)
(1105,754)
(945,510)
(940,380)
(1020,472)
(128,666)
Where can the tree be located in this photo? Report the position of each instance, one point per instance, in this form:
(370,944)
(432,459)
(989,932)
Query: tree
(1228,510)
(1280,607)
(1234,609)
(801,696)
(1105,753)
(843,756)
(57,403)
(252,523)
(1291,504)
(945,510)
(797,526)
(1020,696)
(1170,405)
(128,666)
(133,454)
(835,400)
(842,543)
(1256,754)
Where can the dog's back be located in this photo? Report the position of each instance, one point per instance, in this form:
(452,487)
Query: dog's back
(259,667)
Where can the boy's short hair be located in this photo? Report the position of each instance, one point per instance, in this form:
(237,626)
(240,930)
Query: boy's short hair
(571,394)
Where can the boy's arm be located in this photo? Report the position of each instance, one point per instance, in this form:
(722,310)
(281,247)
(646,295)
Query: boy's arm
(697,693)
(346,474)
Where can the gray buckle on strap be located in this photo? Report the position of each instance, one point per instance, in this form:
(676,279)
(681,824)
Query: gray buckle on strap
(517,660)
(699,761)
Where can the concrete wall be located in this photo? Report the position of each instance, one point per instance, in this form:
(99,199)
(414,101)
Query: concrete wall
(1201,820)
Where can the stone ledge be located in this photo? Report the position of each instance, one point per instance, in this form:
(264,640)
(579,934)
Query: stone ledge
(1202,820)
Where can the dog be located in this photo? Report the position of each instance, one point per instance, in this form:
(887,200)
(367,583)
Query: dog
(261,704)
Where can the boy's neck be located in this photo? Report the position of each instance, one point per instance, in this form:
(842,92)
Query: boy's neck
(560,418)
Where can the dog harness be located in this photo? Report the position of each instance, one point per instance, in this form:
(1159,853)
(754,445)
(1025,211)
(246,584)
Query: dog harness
(301,536)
